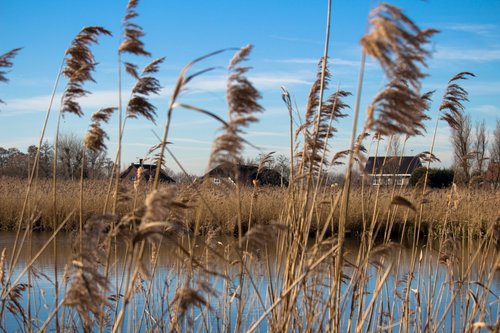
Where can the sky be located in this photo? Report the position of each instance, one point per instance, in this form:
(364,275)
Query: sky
(288,39)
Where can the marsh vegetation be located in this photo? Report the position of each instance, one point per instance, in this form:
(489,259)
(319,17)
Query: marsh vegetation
(138,256)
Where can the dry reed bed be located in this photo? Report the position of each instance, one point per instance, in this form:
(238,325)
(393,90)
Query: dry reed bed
(318,285)
(215,208)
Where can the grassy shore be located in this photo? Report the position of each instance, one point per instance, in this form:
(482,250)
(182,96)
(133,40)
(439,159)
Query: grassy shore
(314,280)
(214,208)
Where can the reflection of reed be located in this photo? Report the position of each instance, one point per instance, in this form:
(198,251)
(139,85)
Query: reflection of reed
(168,257)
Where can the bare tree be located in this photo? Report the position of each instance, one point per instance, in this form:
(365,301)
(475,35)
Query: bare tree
(493,173)
(95,163)
(71,159)
(70,155)
(395,146)
(480,144)
(495,145)
(13,162)
(461,139)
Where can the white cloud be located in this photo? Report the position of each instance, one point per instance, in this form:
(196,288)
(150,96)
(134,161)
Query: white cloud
(257,134)
(480,29)
(486,108)
(22,143)
(189,140)
(29,104)
(474,87)
(262,81)
(331,61)
(477,55)
(34,104)
(276,80)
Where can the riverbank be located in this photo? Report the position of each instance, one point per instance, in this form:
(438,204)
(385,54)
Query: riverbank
(215,208)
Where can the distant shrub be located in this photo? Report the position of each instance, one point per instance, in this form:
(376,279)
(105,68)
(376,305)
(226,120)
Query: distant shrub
(438,178)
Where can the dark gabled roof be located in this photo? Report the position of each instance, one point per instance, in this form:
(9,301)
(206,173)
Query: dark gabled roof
(246,174)
(145,166)
(149,172)
(392,164)
(227,170)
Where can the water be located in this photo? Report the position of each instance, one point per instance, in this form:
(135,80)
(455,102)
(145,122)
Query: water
(439,294)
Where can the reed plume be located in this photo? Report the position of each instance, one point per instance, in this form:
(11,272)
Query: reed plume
(400,109)
(452,110)
(399,46)
(132,32)
(242,98)
(402,201)
(89,286)
(265,161)
(94,139)
(138,104)
(451,106)
(145,85)
(161,216)
(397,43)
(427,156)
(6,62)
(13,301)
(261,235)
(80,64)
(186,298)
(378,253)
(317,128)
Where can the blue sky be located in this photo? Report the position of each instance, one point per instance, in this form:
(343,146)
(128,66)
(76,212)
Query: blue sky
(288,39)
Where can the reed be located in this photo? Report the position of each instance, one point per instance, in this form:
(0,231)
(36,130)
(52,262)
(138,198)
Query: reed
(307,257)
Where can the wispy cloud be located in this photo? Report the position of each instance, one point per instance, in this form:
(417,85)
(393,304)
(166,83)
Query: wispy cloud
(28,104)
(484,88)
(253,134)
(480,29)
(487,109)
(264,80)
(189,140)
(276,80)
(106,98)
(476,55)
(472,86)
(34,104)
(311,61)
(22,143)
(267,148)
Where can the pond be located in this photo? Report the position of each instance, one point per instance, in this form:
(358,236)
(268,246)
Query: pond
(227,296)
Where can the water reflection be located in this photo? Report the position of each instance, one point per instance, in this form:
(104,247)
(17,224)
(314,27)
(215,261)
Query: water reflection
(433,282)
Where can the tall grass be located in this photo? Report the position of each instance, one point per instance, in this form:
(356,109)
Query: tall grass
(246,259)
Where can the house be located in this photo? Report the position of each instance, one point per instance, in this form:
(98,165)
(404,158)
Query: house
(244,174)
(388,170)
(148,173)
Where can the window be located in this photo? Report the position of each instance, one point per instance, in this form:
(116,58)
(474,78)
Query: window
(216,181)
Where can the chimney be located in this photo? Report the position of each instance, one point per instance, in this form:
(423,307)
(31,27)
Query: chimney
(140,161)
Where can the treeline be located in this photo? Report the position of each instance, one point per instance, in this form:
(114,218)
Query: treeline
(473,162)
(71,158)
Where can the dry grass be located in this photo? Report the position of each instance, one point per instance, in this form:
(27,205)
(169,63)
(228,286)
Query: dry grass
(470,210)
(292,267)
